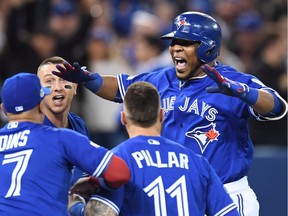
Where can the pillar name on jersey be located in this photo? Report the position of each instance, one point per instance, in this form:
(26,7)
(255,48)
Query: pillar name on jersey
(156,159)
(14,140)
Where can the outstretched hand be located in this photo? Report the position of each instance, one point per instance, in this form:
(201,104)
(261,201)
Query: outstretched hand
(75,73)
(230,87)
(78,74)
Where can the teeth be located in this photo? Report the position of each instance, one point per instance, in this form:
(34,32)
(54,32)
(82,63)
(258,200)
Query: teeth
(58,97)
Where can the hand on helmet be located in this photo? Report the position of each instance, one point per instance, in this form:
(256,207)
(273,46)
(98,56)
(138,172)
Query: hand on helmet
(77,74)
(230,87)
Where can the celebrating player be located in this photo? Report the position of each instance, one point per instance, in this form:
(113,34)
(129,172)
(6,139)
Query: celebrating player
(207,104)
(58,103)
(166,178)
(36,160)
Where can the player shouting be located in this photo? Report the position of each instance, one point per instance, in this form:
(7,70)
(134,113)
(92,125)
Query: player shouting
(210,120)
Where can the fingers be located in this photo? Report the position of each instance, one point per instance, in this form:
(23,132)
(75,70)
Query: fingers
(212,73)
(77,66)
(57,73)
(68,66)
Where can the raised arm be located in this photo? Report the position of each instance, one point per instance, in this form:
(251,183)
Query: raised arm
(109,88)
(266,103)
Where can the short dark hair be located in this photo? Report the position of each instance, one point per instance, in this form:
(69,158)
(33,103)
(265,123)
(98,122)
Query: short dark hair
(52,60)
(142,104)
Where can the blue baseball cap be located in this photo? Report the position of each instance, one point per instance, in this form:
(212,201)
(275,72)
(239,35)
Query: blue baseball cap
(22,92)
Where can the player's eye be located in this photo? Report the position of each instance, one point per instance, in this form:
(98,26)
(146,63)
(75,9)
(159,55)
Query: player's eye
(49,81)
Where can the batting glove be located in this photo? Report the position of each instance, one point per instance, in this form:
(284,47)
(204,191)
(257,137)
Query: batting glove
(77,74)
(230,87)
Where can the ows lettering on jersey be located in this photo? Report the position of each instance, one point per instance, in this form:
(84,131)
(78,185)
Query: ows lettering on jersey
(204,135)
(205,110)
(154,159)
(13,140)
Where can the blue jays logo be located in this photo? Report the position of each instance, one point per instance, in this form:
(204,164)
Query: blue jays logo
(204,135)
(180,21)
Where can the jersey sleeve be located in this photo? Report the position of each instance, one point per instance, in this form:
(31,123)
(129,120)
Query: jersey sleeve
(85,154)
(124,80)
(253,82)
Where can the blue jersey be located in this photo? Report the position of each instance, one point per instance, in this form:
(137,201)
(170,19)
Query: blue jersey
(167,179)
(76,123)
(35,166)
(214,125)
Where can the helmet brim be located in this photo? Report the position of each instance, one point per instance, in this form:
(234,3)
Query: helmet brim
(168,36)
(181,36)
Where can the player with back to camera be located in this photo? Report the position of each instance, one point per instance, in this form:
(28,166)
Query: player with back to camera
(58,103)
(36,160)
(209,119)
(166,177)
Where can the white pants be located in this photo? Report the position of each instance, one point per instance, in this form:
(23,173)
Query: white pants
(243,196)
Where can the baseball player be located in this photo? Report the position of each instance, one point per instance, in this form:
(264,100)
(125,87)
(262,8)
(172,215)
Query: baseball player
(36,160)
(58,103)
(207,104)
(166,178)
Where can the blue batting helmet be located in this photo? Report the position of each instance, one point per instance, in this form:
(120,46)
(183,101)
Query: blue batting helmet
(196,26)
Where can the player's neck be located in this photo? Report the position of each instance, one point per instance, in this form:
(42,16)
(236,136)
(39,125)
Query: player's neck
(60,121)
(35,118)
(134,131)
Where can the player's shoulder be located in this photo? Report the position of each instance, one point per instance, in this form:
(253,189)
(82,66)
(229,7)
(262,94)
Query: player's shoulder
(155,75)
(168,72)
(75,117)
(77,123)
(223,68)
(232,73)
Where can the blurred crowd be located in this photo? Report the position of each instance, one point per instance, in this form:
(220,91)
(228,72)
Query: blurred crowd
(122,36)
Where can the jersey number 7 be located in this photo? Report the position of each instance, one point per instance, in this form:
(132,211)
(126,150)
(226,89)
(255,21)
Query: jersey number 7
(21,159)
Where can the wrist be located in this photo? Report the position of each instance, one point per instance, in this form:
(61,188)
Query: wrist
(78,209)
(95,83)
(251,96)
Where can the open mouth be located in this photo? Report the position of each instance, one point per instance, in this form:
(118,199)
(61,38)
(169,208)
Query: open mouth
(58,98)
(180,63)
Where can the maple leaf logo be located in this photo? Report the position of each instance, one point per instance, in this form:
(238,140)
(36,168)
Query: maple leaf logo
(212,134)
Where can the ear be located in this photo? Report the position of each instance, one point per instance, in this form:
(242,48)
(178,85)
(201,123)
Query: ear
(123,118)
(161,117)
(41,107)
(75,86)
(3,109)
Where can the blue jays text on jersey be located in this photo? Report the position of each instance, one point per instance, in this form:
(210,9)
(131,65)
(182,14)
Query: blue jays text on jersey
(35,167)
(214,125)
(166,179)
